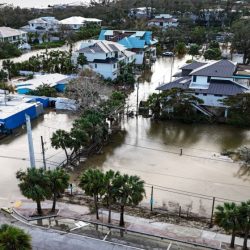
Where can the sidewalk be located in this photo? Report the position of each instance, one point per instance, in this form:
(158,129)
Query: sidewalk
(139,224)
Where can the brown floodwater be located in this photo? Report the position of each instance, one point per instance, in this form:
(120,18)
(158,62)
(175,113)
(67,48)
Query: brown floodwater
(149,149)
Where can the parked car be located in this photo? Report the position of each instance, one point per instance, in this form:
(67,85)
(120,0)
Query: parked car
(168,53)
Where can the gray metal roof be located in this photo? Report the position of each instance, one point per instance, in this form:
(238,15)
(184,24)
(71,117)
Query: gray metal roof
(193,65)
(222,68)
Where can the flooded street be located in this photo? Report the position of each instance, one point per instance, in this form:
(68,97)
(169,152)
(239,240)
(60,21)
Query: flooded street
(14,152)
(149,149)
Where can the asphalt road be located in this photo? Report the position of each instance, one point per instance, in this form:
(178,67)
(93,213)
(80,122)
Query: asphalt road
(43,239)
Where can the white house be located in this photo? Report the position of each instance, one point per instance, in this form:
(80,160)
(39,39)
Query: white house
(210,82)
(57,81)
(43,24)
(104,57)
(141,12)
(164,21)
(76,22)
(12,35)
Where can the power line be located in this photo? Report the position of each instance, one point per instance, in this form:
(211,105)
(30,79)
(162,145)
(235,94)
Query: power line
(177,153)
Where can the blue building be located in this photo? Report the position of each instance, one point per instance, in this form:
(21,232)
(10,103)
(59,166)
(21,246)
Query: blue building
(140,42)
(14,107)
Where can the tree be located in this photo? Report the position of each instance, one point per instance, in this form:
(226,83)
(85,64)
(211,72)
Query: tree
(9,50)
(61,139)
(44,90)
(87,90)
(194,50)
(8,66)
(241,39)
(109,188)
(198,35)
(34,185)
(58,182)
(128,190)
(226,216)
(82,60)
(244,221)
(181,49)
(13,238)
(238,109)
(212,54)
(92,182)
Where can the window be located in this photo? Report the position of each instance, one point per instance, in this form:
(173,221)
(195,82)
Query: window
(218,95)
(114,66)
(194,78)
(205,94)
(96,66)
(208,78)
(196,93)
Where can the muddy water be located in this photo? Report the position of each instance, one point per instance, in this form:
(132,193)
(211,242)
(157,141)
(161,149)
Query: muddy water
(151,150)
(14,152)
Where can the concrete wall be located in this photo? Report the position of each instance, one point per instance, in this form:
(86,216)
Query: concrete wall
(211,100)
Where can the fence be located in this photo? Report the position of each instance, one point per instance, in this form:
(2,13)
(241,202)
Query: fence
(182,203)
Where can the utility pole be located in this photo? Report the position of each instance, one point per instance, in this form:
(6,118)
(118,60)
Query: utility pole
(152,198)
(43,153)
(30,141)
(137,98)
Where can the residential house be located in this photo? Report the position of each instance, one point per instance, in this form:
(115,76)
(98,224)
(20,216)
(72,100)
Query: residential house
(163,21)
(57,81)
(104,57)
(141,12)
(209,81)
(76,22)
(12,35)
(140,42)
(43,24)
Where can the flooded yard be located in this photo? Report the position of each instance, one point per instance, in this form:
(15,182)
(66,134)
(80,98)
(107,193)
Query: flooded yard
(149,149)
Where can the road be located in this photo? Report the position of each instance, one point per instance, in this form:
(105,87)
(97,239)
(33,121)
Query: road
(43,239)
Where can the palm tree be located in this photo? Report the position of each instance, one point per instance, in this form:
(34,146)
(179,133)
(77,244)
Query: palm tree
(58,181)
(226,217)
(8,65)
(61,139)
(128,190)
(244,221)
(12,238)
(92,182)
(109,178)
(34,184)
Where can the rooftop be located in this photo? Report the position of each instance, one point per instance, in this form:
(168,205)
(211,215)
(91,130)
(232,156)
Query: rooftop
(222,68)
(38,80)
(78,20)
(9,32)
(104,46)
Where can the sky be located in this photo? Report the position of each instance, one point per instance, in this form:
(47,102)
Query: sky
(39,3)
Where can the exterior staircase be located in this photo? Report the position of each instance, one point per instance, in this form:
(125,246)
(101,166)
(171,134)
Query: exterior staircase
(203,110)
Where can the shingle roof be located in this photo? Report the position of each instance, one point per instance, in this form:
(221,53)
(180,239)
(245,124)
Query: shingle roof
(221,87)
(182,83)
(222,68)
(193,65)
(216,87)
(102,47)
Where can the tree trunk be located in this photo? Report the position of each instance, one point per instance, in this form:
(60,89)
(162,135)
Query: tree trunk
(232,239)
(109,218)
(39,208)
(96,207)
(53,209)
(122,224)
(245,240)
